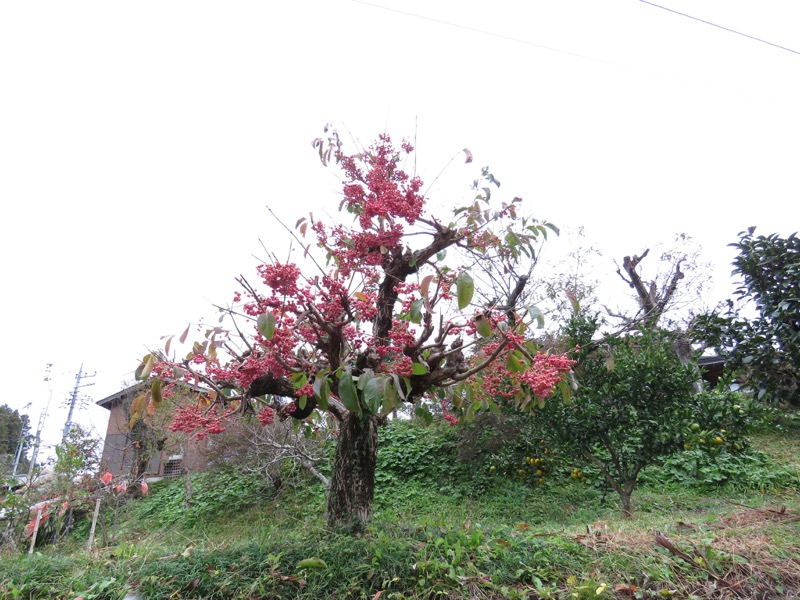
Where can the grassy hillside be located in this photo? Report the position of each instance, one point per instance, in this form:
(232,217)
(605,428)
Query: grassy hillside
(446,526)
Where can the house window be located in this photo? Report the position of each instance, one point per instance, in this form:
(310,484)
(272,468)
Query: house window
(172,468)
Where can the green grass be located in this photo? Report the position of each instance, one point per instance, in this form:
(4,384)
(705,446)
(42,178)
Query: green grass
(429,538)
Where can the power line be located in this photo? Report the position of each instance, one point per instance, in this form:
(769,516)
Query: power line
(568,53)
(720,26)
(493,34)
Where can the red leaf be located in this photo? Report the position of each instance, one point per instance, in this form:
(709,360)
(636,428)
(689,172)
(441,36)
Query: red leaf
(425,285)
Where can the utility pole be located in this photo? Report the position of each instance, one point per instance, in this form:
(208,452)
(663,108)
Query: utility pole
(74,400)
(42,417)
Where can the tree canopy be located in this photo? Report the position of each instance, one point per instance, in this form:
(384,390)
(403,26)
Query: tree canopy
(14,429)
(764,350)
(389,319)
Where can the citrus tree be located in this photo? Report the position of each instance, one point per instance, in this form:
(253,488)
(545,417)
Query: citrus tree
(380,315)
(634,404)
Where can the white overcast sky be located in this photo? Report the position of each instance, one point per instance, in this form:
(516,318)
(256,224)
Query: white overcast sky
(140,143)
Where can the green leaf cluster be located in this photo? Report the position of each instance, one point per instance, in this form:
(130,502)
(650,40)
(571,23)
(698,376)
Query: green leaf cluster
(764,351)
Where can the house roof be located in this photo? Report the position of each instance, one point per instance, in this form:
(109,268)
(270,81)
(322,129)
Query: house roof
(707,361)
(121,395)
(109,401)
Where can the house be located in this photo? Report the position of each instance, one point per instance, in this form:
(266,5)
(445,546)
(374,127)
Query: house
(711,369)
(149,448)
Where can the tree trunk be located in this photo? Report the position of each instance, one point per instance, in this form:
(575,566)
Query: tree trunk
(625,493)
(627,505)
(353,482)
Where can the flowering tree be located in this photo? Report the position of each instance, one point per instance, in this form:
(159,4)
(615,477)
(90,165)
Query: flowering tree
(386,322)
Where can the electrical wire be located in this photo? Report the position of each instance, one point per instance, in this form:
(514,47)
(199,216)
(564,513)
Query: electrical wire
(574,54)
(720,26)
(497,35)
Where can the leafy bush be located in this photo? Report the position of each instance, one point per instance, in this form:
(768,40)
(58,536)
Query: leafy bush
(213,493)
(701,470)
(413,451)
(508,445)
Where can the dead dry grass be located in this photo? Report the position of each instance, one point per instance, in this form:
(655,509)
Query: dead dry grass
(747,553)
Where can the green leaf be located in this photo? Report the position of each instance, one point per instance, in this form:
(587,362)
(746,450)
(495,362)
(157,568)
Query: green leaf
(552,228)
(312,563)
(415,311)
(566,391)
(348,394)
(402,390)
(483,326)
(440,255)
(514,362)
(373,394)
(322,388)
(423,413)
(473,407)
(155,391)
(465,288)
(419,369)
(298,380)
(266,325)
(364,378)
(390,398)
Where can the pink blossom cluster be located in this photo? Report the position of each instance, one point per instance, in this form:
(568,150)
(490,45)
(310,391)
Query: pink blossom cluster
(381,195)
(546,372)
(448,416)
(306,390)
(365,305)
(282,278)
(399,364)
(401,335)
(540,377)
(385,191)
(266,416)
(192,419)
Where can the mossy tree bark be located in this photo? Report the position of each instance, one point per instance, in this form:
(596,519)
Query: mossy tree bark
(352,486)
